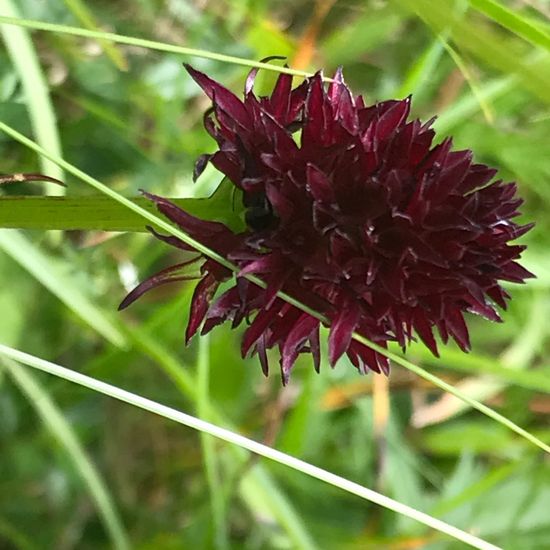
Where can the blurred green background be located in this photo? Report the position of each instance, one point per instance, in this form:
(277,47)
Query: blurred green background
(132,118)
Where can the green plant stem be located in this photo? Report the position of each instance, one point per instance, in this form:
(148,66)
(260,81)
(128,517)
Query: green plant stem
(35,88)
(86,18)
(149,44)
(244,442)
(229,265)
(211,462)
(513,21)
(62,431)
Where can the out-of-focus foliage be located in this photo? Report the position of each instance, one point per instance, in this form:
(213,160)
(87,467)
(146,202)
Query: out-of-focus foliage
(142,128)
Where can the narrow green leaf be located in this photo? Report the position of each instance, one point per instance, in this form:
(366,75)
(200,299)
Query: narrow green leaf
(513,21)
(470,79)
(56,281)
(102,213)
(86,18)
(211,462)
(482,42)
(421,71)
(150,44)
(55,422)
(469,105)
(43,120)
(245,443)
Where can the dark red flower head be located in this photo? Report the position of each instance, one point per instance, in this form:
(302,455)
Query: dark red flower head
(351,210)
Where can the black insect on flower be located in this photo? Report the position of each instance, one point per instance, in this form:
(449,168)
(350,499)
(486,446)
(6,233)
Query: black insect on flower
(352,210)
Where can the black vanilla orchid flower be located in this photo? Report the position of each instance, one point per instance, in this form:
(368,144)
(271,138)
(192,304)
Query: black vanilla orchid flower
(352,210)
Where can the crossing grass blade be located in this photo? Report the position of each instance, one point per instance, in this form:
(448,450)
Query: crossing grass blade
(149,44)
(25,253)
(55,422)
(245,443)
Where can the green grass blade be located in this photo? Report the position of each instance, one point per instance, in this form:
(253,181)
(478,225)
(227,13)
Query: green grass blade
(244,442)
(467,106)
(99,213)
(513,21)
(211,463)
(257,488)
(149,44)
(58,283)
(482,42)
(9,535)
(470,79)
(421,71)
(42,116)
(55,422)
(518,356)
(86,18)
(536,380)
(224,262)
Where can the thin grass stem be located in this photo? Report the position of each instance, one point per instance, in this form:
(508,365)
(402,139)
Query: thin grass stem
(245,443)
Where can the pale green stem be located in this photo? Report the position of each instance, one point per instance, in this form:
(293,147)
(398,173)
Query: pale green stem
(37,97)
(211,462)
(62,431)
(244,442)
(149,44)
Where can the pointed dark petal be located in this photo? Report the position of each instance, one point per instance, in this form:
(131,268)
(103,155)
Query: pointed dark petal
(424,330)
(223,98)
(168,275)
(315,347)
(200,165)
(249,84)
(204,291)
(341,330)
(169,239)
(261,351)
(457,326)
(196,227)
(319,185)
(297,336)
(260,324)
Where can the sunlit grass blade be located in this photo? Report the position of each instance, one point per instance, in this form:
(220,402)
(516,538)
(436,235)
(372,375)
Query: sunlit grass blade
(467,106)
(86,18)
(484,44)
(517,357)
(162,224)
(37,97)
(244,442)
(257,488)
(19,248)
(420,71)
(55,422)
(513,21)
(536,380)
(470,79)
(211,462)
(149,44)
